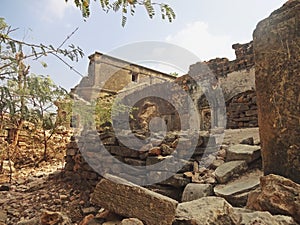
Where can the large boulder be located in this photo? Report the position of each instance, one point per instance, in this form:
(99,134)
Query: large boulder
(277,195)
(206,210)
(277,75)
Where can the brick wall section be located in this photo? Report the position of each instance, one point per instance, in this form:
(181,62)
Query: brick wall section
(244,60)
(242,111)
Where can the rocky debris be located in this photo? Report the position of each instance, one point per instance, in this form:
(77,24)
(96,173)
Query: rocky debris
(243,152)
(206,210)
(196,191)
(45,188)
(226,171)
(127,199)
(236,192)
(277,195)
(3,217)
(47,218)
(131,221)
(249,217)
(7,166)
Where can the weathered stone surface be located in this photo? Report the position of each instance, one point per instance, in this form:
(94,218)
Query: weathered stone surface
(127,199)
(177,180)
(277,72)
(278,195)
(243,152)
(236,192)
(225,172)
(3,216)
(248,217)
(195,191)
(206,210)
(131,221)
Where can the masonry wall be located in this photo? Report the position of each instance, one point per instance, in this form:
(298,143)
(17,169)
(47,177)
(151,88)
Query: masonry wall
(76,165)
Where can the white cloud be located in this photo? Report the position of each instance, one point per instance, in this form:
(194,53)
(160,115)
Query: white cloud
(196,38)
(55,9)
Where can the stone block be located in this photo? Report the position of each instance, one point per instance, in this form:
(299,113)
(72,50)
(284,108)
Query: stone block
(129,200)
(243,152)
(227,170)
(195,191)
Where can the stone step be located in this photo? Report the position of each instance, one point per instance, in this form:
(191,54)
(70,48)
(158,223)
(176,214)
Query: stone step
(236,192)
(249,153)
(227,170)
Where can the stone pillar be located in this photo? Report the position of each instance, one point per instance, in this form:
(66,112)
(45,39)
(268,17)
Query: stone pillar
(277,65)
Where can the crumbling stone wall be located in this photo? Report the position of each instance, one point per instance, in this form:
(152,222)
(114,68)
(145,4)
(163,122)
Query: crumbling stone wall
(148,155)
(277,57)
(244,60)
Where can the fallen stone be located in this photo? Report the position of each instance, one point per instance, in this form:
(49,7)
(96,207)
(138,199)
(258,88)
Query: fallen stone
(130,200)
(206,210)
(227,170)
(249,217)
(278,195)
(248,141)
(57,218)
(132,221)
(177,180)
(236,192)
(33,221)
(243,152)
(195,191)
(86,220)
(216,163)
(89,210)
(3,216)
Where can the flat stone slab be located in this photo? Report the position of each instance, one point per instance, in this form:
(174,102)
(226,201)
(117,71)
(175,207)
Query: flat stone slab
(237,187)
(227,170)
(127,199)
(249,153)
(236,192)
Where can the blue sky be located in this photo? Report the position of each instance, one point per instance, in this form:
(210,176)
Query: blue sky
(207,28)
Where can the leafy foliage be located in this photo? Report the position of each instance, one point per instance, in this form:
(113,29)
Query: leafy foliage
(26,97)
(126,6)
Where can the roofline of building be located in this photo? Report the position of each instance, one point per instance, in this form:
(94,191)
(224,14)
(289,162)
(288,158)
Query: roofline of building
(130,63)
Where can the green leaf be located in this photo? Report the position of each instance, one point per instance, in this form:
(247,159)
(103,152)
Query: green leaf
(44,64)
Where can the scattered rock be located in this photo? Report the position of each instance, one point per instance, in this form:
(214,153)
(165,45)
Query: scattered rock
(3,216)
(129,200)
(278,195)
(86,220)
(227,170)
(51,218)
(243,152)
(196,191)
(89,210)
(206,210)
(131,221)
(249,217)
